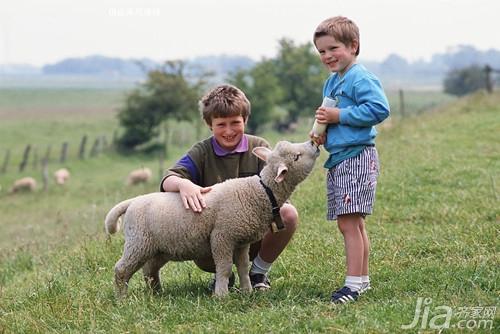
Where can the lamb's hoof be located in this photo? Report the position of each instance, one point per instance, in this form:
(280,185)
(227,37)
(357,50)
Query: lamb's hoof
(120,296)
(220,293)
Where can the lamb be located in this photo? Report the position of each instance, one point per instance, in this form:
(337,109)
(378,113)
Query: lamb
(24,184)
(137,176)
(61,176)
(239,212)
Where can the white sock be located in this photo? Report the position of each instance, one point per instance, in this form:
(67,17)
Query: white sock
(260,266)
(353,282)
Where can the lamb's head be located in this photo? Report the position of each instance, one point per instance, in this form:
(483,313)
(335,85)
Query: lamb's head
(287,161)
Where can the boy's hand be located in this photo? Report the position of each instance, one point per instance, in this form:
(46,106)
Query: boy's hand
(328,115)
(318,140)
(192,195)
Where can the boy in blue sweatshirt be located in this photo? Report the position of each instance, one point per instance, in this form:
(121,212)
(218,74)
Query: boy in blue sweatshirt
(353,165)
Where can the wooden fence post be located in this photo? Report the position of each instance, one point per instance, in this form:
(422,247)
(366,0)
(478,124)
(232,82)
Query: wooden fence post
(25,158)
(104,142)
(5,162)
(95,148)
(81,153)
(401,103)
(47,153)
(489,83)
(64,152)
(45,174)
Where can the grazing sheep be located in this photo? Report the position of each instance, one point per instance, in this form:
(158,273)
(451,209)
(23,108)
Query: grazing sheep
(239,212)
(139,175)
(61,176)
(24,184)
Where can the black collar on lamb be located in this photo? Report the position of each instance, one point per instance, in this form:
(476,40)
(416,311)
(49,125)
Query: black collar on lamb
(277,224)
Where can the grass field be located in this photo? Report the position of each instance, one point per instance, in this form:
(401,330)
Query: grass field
(434,235)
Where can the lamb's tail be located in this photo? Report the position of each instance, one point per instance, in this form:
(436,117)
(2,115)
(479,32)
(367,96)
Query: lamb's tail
(111,222)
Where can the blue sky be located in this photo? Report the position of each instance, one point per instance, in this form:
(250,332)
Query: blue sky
(41,32)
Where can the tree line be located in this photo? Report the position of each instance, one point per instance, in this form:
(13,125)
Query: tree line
(281,90)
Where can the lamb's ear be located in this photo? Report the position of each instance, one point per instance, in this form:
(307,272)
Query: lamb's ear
(280,175)
(261,152)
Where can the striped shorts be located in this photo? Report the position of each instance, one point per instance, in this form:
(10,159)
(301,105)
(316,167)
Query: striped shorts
(351,185)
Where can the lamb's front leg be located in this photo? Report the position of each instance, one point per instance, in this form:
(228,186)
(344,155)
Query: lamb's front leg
(242,263)
(222,254)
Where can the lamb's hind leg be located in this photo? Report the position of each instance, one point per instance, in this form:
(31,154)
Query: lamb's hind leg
(242,261)
(123,272)
(151,271)
(132,260)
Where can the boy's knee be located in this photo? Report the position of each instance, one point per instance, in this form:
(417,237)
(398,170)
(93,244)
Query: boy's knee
(350,223)
(206,264)
(290,216)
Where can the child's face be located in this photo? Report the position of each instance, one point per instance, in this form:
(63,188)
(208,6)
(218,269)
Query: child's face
(228,131)
(336,56)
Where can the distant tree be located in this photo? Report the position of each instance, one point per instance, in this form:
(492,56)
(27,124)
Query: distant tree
(262,88)
(394,64)
(166,94)
(301,76)
(465,80)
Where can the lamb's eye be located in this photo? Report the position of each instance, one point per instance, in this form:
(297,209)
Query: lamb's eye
(296,157)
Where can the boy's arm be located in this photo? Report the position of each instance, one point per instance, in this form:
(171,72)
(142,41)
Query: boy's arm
(184,178)
(371,106)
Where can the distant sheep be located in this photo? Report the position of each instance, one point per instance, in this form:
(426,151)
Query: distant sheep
(24,184)
(61,176)
(239,212)
(137,176)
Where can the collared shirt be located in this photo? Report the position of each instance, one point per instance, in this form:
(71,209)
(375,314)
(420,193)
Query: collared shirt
(203,165)
(242,147)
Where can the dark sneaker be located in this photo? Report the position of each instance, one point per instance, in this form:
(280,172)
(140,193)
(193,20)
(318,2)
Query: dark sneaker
(211,286)
(344,295)
(260,282)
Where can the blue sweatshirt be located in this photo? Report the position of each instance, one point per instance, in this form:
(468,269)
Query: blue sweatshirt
(363,104)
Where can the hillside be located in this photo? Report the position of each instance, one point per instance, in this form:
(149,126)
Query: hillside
(101,71)
(434,235)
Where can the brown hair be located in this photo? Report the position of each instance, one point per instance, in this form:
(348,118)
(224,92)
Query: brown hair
(339,27)
(224,101)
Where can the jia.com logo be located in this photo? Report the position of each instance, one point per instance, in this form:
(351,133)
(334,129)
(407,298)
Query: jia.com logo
(469,317)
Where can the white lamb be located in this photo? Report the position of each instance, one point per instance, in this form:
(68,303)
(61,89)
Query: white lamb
(24,184)
(61,176)
(159,229)
(142,175)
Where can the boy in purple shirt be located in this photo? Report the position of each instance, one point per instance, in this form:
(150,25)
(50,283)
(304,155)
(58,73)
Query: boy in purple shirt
(228,154)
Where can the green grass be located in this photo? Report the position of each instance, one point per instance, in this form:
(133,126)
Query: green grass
(434,235)
(416,101)
(49,117)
